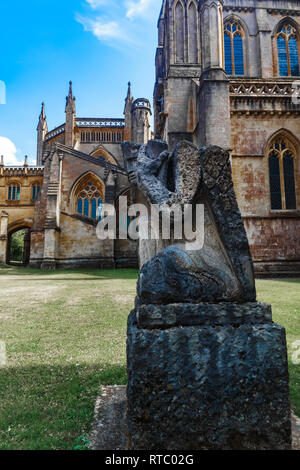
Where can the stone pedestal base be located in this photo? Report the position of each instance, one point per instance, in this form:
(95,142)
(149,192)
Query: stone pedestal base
(207,376)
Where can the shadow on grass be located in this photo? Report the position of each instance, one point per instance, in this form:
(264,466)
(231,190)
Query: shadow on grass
(92,274)
(51,407)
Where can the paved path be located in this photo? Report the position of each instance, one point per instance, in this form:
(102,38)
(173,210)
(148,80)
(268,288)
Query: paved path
(110,430)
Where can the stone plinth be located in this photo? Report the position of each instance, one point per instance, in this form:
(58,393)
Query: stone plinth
(207,376)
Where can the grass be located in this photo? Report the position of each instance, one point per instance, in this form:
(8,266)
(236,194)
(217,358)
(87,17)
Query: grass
(65,334)
(284,296)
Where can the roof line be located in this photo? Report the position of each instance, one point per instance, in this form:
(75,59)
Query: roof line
(97,160)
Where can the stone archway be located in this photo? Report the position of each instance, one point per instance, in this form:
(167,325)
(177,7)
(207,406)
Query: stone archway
(18,243)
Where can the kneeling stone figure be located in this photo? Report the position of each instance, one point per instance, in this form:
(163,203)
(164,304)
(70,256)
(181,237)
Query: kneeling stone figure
(207,367)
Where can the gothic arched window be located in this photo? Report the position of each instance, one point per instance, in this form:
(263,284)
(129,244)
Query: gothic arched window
(192,22)
(123,219)
(179,32)
(89,197)
(234,48)
(282,156)
(14,192)
(101,152)
(288,53)
(36,187)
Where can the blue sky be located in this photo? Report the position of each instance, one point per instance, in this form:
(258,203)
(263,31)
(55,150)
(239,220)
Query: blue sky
(98,44)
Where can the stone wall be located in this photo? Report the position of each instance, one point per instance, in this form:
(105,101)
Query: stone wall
(259,106)
(73,237)
(16,214)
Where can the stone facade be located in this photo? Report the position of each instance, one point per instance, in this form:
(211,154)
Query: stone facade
(16,214)
(244,112)
(247,111)
(79,153)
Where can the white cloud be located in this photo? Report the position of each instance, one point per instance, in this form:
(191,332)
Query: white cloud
(9,151)
(94,4)
(137,8)
(119,20)
(103,30)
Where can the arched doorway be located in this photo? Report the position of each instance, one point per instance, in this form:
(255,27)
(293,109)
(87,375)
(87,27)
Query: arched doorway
(18,246)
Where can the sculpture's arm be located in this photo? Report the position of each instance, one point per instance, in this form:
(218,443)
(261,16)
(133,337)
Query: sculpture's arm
(147,170)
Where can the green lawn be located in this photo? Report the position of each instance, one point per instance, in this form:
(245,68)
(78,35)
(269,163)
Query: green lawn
(65,334)
(284,296)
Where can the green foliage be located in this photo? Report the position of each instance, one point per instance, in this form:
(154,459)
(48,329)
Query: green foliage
(82,443)
(17,246)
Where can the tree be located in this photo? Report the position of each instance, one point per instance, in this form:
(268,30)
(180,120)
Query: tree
(17,246)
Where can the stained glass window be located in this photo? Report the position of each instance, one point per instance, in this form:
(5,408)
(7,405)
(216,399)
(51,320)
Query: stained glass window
(234,49)
(123,219)
(289,181)
(35,191)
(228,55)
(282,175)
(14,192)
(282,57)
(89,201)
(275,183)
(238,54)
(294,57)
(86,207)
(288,53)
(79,206)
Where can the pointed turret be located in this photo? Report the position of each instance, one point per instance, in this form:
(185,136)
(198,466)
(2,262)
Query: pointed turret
(26,164)
(70,100)
(70,117)
(129,95)
(42,118)
(42,130)
(141,121)
(127,113)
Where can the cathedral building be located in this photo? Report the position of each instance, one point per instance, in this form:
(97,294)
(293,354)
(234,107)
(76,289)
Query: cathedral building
(80,166)
(227,74)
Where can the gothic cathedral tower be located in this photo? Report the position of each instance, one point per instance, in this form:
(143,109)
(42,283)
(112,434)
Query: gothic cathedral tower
(191,95)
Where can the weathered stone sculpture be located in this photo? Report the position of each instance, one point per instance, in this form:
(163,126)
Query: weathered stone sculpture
(207,367)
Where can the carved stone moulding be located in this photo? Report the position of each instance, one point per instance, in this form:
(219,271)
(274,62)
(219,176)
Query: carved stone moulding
(238,8)
(223,313)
